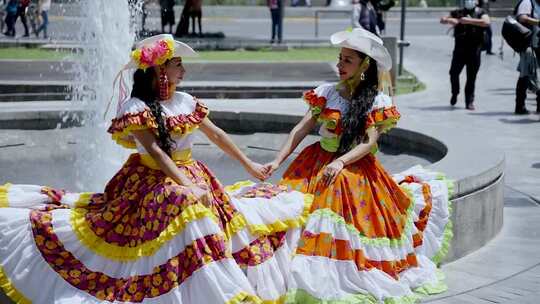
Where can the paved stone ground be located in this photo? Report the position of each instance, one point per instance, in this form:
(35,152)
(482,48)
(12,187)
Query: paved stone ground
(507,270)
(493,123)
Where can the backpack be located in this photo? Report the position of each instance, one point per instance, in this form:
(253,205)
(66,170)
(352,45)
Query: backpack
(11,7)
(516,35)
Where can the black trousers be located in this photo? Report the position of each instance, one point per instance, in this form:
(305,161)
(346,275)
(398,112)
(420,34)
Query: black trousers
(10,24)
(21,12)
(277,24)
(465,57)
(489,40)
(521,93)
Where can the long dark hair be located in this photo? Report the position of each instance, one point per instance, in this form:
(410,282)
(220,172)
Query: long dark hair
(143,88)
(362,99)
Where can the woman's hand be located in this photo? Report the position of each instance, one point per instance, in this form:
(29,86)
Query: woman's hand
(256,170)
(202,194)
(331,171)
(270,167)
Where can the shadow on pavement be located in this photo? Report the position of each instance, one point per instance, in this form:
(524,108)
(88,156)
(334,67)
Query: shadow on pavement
(513,89)
(492,113)
(436,108)
(519,121)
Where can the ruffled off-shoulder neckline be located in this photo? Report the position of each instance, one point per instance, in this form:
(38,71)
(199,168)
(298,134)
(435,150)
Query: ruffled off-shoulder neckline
(180,124)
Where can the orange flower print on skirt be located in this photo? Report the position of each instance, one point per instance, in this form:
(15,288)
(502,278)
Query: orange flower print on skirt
(365,196)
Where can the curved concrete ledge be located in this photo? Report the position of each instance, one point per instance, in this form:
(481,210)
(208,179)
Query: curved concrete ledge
(477,218)
(478,195)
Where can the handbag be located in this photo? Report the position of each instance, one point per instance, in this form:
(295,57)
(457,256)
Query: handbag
(518,36)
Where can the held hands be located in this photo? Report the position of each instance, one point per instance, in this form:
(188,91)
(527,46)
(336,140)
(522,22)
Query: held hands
(331,171)
(270,167)
(256,170)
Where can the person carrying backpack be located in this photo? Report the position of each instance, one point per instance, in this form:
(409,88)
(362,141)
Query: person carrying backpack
(11,13)
(527,13)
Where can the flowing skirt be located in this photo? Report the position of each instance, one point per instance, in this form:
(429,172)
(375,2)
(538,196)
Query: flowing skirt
(370,237)
(146,239)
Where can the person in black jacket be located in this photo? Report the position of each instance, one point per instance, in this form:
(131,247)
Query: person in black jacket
(364,15)
(382,6)
(167,14)
(469,25)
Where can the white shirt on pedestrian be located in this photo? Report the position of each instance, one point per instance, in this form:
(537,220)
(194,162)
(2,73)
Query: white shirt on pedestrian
(45,5)
(526,8)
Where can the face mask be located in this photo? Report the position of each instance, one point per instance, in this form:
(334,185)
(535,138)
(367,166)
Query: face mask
(469,4)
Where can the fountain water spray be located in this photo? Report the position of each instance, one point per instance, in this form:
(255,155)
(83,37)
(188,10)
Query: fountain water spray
(107,34)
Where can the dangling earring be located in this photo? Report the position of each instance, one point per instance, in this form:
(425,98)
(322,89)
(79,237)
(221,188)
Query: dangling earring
(363,76)
(164,92)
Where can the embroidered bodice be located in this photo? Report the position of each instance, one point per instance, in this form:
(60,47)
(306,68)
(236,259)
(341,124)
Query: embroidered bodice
(183,113)
(328,107)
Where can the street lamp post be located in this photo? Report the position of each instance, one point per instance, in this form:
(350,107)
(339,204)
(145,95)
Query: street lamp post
(402,43)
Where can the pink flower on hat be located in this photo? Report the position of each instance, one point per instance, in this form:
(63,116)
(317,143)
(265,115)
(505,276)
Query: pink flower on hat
(153,55)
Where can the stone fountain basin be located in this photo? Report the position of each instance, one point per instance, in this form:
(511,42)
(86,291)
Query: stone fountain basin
(53,158)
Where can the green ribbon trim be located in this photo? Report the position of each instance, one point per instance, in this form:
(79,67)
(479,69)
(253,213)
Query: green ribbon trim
(300,296)
(315,111)
(330,144)
(448,234)
(435,288)
(385,125)
(378,242)
(330,124)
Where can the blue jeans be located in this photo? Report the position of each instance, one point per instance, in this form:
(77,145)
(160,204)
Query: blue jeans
(43,26)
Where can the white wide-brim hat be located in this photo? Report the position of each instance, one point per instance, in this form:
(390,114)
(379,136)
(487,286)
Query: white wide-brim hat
(178,49)
(365,42)
(149,52)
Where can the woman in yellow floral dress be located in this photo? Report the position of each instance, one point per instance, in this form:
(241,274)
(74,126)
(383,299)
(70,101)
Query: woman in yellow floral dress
(370,238)
(164,230)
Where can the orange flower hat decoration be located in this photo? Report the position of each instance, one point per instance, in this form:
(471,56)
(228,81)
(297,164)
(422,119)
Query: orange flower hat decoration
(316,103)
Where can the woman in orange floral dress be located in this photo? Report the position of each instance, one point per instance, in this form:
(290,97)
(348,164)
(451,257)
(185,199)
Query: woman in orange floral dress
(370,237)
(164,230)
